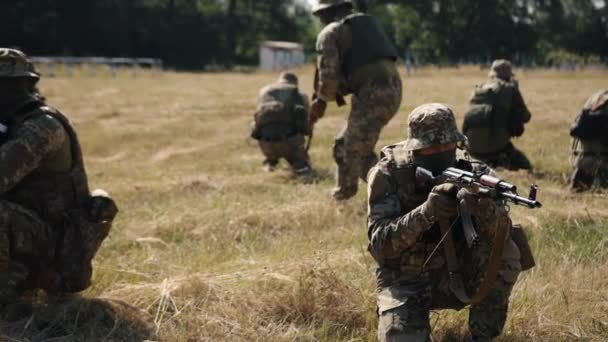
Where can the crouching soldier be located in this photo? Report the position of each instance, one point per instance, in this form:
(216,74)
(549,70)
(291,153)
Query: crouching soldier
(416,237)
(50,225)
(281,124)
(497,113)
(590,144)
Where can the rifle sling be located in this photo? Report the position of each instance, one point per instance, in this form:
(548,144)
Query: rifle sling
(494,261)
(456,279)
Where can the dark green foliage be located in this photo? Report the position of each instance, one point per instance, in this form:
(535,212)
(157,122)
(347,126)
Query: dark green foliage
(193,34)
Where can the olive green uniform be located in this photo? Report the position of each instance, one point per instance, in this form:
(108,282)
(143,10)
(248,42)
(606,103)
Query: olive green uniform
(356,57)
(281,124)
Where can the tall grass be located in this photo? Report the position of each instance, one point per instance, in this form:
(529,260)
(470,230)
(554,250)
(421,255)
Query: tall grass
(208,247)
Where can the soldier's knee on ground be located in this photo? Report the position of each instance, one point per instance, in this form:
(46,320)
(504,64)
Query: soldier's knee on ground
(581,180)
(487,318)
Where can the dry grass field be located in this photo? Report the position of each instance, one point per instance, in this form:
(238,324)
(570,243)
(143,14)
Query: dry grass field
(208,247)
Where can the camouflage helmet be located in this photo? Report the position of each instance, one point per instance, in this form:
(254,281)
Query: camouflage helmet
(325,4)
(501,68)
(432,124)
(14,63)
(288,77)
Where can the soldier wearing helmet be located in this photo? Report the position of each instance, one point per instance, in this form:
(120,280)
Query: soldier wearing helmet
(407,243)
(496,114)
(356,57)
(50,225)
(281,123)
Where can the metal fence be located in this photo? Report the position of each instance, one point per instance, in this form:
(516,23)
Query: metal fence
(94,66)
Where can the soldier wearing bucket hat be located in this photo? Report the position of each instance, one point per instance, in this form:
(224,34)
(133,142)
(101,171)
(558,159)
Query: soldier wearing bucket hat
(403,230)
(50,225)
(356,57)
(497,113)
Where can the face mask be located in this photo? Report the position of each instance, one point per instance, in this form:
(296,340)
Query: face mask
(436,163)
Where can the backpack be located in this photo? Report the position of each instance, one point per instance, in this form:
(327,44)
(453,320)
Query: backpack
(592,121)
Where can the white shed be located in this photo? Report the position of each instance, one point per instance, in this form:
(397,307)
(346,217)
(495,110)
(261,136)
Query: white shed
(280,55)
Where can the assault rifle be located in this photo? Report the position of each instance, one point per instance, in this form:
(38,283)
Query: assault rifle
(482,184)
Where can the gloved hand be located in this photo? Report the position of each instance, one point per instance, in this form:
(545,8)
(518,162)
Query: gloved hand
(441,203)
(317,110)
(486,211)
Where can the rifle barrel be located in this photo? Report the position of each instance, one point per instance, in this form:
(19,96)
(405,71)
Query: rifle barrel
(520,200)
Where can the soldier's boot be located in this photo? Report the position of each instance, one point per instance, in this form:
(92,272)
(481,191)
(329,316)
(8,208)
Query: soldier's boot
(346,180)
(269,165)
(346,183)
(302,168)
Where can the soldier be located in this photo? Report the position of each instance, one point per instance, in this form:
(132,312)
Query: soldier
(280,124)
(408,244)
(355,57)
(50,225)
(590,144)
(497,113)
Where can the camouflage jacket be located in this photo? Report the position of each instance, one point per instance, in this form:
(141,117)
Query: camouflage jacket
(41,166)
(401,238)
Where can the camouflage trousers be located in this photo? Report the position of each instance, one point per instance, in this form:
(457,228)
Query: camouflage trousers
(404,308)
(293,150)
(509,158)
(373,106)
(25,242)
(589,170)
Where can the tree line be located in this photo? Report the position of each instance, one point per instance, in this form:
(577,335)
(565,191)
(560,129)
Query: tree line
(197,34)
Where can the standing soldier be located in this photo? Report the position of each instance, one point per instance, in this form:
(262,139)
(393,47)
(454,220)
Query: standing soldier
(280,124)
(590,144)
(413,232)
(355,57)
(50,225)
(497,112)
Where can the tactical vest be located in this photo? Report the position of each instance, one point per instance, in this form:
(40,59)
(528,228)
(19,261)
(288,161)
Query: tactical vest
(49,191)
(369,43)
(486,123)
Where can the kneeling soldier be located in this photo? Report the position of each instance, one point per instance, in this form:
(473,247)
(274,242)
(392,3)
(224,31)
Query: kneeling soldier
(416,236)
(590,144)
(281,124)
(50,225)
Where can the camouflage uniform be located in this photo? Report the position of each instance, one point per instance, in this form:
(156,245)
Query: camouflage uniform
(497,113)
(356,57)
(50,226)
(590,154)
(281,123)
(412,280)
